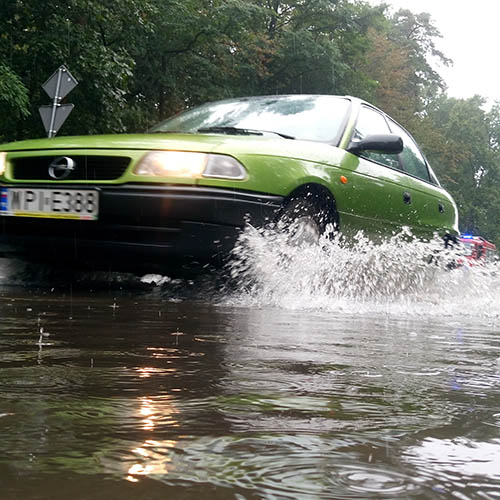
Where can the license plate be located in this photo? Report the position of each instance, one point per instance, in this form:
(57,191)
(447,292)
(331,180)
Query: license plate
(82,204)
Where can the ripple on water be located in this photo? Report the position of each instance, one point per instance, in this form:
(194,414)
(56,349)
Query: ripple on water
(284,467)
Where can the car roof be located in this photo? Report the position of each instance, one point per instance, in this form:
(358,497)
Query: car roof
(354,100)
(284,96)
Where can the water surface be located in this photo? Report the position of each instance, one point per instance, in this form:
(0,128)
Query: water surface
(324,375)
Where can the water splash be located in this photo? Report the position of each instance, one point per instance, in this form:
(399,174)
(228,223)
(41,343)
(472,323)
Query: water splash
(400,275)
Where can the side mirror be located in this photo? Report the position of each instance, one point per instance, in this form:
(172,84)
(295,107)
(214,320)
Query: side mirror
(380,143)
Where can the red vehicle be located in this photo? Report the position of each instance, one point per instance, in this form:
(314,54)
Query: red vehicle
(478,250)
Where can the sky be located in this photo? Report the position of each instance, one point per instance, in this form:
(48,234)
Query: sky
(470,37)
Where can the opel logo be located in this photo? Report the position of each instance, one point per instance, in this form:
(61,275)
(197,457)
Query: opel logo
(61,167)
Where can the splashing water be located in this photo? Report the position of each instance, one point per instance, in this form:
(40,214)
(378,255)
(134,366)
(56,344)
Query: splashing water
(401,275)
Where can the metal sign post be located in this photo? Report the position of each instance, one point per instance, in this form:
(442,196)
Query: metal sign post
(58,86)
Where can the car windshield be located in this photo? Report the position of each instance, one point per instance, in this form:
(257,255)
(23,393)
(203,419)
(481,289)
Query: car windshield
(306,117)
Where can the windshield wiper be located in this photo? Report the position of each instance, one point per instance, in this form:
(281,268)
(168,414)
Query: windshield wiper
(281,134)
(241,131)
(166,132)
(230,130)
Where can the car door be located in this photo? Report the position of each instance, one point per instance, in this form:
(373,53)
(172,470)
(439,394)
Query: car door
(429,207)
(377,190)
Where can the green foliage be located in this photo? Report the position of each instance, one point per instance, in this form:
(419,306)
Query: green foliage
(14,99)
(139,61)
(468,161)
(92,38)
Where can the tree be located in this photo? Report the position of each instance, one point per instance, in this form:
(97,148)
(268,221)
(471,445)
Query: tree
(317,45)
(469,161)
(416,34)
(92,38)
(14,99)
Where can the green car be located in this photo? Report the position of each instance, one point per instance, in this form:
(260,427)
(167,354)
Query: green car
(186,188)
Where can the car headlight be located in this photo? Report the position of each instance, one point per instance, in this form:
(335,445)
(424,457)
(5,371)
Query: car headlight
(3,162)
(190,164)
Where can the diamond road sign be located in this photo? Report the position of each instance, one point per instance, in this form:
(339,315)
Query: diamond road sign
(62,78)
(58,86)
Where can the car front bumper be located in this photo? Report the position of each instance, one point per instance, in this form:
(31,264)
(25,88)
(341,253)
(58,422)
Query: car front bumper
(145,224)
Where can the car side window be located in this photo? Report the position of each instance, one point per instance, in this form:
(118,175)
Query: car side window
(412,159)
(372,122)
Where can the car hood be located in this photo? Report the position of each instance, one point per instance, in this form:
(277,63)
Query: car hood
(209,143)
(115,141)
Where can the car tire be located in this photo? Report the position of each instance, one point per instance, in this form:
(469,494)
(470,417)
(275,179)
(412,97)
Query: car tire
(305,220)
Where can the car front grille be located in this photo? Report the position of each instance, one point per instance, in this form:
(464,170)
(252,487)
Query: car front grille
(88,168)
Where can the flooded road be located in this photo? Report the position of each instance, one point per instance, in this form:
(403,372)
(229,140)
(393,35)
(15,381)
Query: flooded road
(299,381)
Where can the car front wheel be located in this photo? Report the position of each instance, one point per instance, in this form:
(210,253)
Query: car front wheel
(305,220)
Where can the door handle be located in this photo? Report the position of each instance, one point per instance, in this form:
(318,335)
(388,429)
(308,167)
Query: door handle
(407,197)
(441,208)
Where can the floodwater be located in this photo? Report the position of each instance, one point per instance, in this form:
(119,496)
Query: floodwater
(306,373)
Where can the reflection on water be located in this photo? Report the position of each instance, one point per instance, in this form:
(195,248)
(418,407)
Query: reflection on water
(152,456)
(289,385)
(457,458)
